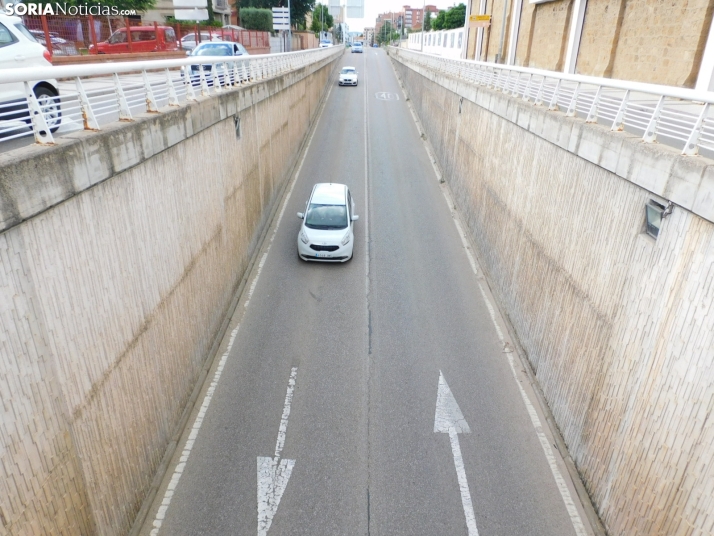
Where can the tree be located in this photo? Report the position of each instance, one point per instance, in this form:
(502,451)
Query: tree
(252,18)
(427,21)
(439,21)
(321,19)
(455,17)
(387,33)
(298,8)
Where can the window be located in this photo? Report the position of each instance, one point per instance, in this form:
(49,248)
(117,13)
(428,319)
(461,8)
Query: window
(654,212)
(326,217)
(143,35)
(461,39)
(6,37)
(169,35)
(452,40)
(117,37)
(24,31)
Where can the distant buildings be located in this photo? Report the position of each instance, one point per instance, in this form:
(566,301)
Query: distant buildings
(409,18)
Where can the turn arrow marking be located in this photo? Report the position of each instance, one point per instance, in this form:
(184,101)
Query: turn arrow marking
(274,473)
(450,420)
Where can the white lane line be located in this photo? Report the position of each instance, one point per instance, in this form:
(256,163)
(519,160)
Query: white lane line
(274,473)
(188,447)
(535,420)
(448,419)
(166,501)
(366,186)
(283,429)
(463,483)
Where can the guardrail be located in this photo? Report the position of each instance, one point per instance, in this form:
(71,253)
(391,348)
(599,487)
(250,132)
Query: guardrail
(674,116)
(96,94)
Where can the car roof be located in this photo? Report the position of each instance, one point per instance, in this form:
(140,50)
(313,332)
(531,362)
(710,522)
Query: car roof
(348,67)
(329,194)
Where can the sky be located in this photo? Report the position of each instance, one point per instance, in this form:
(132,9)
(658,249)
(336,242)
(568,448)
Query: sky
(372,8)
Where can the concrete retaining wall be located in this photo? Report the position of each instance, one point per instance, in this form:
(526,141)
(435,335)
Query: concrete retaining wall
(618,327)
(120,254)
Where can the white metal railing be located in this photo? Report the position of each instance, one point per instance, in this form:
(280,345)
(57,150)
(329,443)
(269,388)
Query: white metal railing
(674,116)
(92,95)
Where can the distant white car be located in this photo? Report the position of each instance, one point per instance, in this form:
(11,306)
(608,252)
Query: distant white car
(357,47)
(325,44)
(348,76)
(18,48)
(326,233)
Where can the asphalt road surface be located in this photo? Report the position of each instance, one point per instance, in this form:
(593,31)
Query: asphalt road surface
(323,417)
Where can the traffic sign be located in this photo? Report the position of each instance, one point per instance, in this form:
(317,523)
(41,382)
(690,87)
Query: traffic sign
(281,18)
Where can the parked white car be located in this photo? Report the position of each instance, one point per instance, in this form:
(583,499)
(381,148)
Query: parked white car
(18,48)
(348,76)
(326,233)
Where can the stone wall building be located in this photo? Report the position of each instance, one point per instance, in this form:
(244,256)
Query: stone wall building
(641,40)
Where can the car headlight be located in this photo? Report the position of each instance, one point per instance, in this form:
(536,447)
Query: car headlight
(303,237)
(346,239)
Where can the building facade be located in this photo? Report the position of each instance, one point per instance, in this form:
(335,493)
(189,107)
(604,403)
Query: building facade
(650,41)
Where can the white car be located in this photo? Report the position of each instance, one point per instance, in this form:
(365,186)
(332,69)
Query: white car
(357,47)
(325,44)
(348,76)
(326,233)
(18,48)
(188,41)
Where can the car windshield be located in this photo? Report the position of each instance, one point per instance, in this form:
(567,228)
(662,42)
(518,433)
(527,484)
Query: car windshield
(326,217)
(213,50)
(348,71)
(24,31)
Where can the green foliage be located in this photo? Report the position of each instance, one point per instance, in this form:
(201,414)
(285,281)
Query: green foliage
(298,8)
(455,17)
(321,19)
(252,18)
(427,21)
(438,23)
(387,33)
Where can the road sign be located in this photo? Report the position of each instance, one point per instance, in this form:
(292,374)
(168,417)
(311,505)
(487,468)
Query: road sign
(479,21)
(191,14)
(281,18)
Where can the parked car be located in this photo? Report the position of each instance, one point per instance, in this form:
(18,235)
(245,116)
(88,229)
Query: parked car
(327,231)
(188,41)
(325,44)
(143,39)
(18,48)
(212,49)
(60,47)
(375,45)
(348,76)
(357,47)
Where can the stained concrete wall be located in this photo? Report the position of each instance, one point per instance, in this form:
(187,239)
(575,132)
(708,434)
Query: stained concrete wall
(120,254)
(618,327)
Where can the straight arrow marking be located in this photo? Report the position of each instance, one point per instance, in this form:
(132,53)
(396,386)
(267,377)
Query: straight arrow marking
(449,420)
(274,473)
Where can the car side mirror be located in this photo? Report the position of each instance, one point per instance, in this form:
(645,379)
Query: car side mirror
(301,215)
(355,217)
(188,52)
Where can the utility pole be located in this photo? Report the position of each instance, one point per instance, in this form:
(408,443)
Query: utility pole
(423,25)
(290,29)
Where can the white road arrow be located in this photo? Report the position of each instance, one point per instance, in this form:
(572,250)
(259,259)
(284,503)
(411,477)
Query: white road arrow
(450,420)
(274,473)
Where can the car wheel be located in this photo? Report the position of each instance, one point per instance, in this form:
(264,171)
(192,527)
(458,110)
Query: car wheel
(48,100)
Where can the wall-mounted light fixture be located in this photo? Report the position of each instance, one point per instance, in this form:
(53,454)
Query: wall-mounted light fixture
(654,214)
